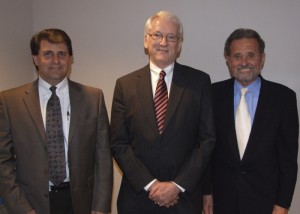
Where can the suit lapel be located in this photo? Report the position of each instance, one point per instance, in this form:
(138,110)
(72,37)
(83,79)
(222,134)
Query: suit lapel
(259,117)
(177,89)
(228,112)
(144,88)
(32,103)
(76,98)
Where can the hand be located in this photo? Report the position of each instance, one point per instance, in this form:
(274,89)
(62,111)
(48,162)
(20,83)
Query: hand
(95,212)
(208,204)
(32,212)
(279,210)
(164,193)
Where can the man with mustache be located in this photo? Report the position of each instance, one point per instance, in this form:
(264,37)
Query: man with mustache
(254,169)
(54,138)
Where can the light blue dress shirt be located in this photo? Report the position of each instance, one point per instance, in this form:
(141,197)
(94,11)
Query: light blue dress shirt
(251,96)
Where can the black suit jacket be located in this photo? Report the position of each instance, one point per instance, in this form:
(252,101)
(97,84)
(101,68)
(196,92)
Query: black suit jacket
(268,171)
(24,180)
(180,154)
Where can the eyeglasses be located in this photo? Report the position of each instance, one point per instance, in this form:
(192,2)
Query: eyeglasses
(158,37)
(248,56)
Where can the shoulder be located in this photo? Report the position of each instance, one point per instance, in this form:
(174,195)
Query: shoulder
(189,76)
(20,90)
(277,91)
(222,85)
(141,72)
(276,87)
(190,71)
(76,87)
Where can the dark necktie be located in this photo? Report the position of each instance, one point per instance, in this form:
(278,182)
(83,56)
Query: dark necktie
(161,101)
(55,140)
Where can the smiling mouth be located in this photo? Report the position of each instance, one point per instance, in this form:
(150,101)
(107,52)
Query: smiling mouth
(54,68)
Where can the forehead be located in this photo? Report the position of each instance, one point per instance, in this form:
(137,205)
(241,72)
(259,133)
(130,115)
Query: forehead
(164,24)
(244,45)
(48,46)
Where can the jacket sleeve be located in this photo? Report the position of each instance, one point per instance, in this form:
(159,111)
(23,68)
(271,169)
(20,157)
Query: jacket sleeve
(287,148)
(103,162)
(10,190)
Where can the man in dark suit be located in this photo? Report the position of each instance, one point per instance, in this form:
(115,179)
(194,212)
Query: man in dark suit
(162,157)
(258,176)
(25,145)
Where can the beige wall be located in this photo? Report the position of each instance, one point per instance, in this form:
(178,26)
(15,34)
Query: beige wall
(16,30)
(108,39)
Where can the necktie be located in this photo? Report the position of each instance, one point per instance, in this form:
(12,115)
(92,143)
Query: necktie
(161,101)
(242,123)
(55,140)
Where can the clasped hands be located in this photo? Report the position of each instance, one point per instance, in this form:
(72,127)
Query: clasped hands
(164,193)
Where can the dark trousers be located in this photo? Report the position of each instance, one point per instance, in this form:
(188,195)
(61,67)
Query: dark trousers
(61,202)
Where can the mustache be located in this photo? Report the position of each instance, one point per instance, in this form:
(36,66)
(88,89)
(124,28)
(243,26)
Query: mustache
(250,67)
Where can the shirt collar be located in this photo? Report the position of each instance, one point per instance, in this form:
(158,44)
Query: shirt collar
(44,86)
(157,70)
(256,84)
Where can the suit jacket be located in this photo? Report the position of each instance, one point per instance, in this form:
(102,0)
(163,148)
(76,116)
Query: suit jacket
(180,154)
(268,171)
(24,180)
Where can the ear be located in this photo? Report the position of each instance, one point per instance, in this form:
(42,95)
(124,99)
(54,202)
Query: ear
(263,57)
(179,47)
(146,42)
(71,60)
(35,60)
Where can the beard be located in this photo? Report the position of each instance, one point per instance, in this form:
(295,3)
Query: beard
(248,76)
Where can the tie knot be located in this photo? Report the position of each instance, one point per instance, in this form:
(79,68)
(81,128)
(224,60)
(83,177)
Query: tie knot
(52,89)
(162,74)
(244,91)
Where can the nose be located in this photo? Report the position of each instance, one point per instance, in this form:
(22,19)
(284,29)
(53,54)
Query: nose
(55,58)
(164,40)
(244,60)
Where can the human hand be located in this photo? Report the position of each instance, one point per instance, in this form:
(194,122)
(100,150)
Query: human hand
(208,204)
(32,212)
(279,210)
(95,212)
(164,193)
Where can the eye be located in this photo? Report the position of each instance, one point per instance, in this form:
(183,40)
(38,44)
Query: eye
(172,37)
(47,54)
(157,35)
(62,54)
(251,55)
(237,56)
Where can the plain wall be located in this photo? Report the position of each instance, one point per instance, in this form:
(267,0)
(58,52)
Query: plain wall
(16,31)
(107,40)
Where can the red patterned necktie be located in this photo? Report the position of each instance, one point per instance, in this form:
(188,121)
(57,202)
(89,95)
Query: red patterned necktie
(55,140)
(161,101)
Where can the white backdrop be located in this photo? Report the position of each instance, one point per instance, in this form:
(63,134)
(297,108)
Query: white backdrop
(108,39)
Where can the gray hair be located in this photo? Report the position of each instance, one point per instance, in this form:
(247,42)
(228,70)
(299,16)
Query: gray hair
(165,14)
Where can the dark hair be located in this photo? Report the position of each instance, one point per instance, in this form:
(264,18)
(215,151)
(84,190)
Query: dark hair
(51,35)
(242,33)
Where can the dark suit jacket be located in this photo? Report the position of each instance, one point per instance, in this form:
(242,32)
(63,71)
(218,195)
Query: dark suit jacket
(268,171)
(24,181)
(180,154)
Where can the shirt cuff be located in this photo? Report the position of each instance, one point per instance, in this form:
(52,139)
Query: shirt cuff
(149,185)
(181,189)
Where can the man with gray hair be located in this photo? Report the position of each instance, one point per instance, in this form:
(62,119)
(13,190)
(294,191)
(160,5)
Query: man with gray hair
(162,127)
(254,168)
